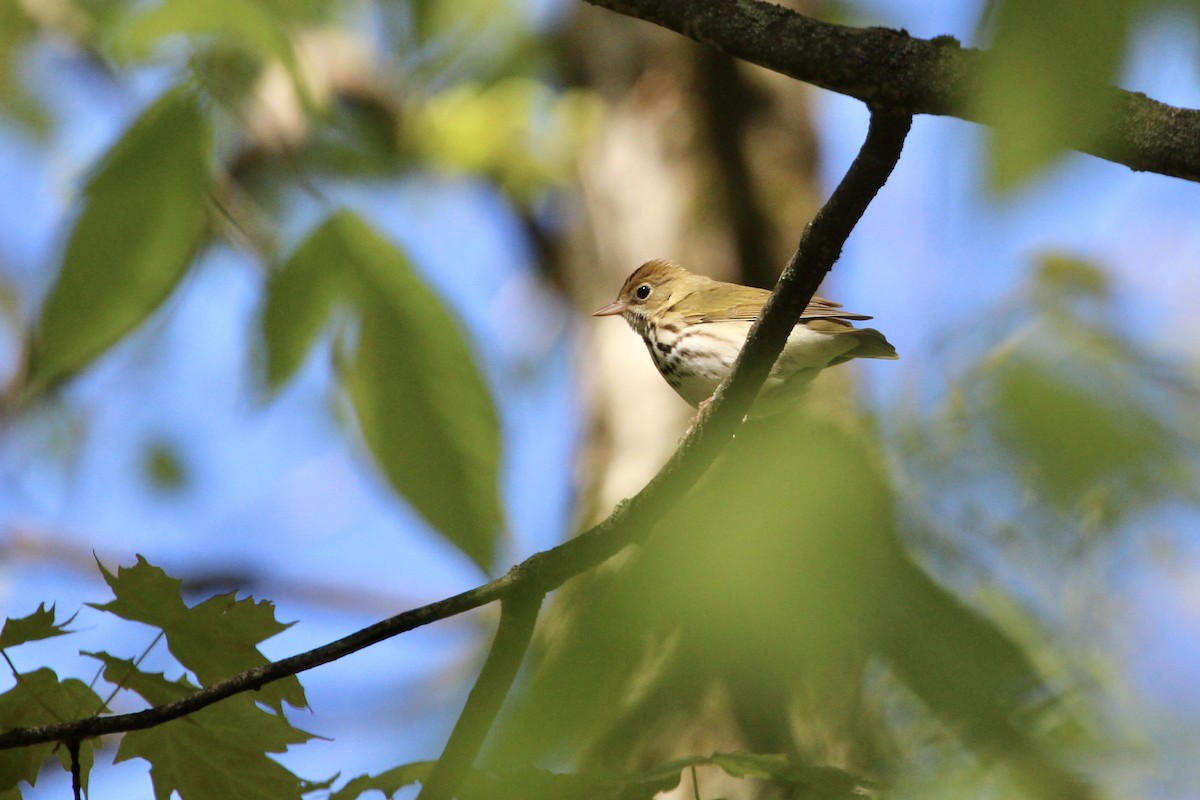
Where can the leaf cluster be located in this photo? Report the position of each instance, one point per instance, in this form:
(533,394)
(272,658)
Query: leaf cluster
(216,752)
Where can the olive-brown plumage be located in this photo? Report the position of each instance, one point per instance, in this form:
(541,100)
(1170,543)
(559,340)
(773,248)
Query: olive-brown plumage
(695,326)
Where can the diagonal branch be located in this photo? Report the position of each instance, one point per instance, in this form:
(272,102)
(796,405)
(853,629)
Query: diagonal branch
(888,69)
(632,520)
(819,248)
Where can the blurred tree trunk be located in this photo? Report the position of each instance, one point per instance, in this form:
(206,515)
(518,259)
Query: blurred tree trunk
(701,160)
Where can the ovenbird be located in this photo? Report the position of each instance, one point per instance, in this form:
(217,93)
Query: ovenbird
(695,326)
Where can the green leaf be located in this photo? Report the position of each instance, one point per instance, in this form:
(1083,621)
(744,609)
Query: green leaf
(389,782)
(38,625)
(423,407)
(454,33)
(754,765)
(218,752)
(826,783)
(239,19)
(1046,80)
(143,216)
(1060,277)
(528,783)
(300,296)
(1076,436)
(18,29)
(238,35)
(163,467)
(39,698)
(215,639)
(519,132)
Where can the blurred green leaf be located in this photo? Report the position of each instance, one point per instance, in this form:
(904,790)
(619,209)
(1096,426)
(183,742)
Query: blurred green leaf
(216,753)
(215,639)
(239,36)
(143,216)
(425,412)
(483,39)
(163,467)
(16,31)
(430,425)
(39,698)
(300,296)
(361,137)
(1075,438)
(424,409)
(1060,274)
(755,765)
(38,625)
(1046,80)
(516,131)
(304,12)
(805,782)
(780,580)
(100,16)
(528,783)
(767,580)
(244,20)
(227,71)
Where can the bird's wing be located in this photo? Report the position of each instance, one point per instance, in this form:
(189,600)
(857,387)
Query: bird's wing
(745,303)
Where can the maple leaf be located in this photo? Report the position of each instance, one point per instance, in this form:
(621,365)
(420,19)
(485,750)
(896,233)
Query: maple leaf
(214,639)
(38,625)
(216,753)
(40,698)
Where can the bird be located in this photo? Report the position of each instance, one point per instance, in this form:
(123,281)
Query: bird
(694,327)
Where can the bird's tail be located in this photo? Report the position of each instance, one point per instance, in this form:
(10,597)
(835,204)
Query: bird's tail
(870,343)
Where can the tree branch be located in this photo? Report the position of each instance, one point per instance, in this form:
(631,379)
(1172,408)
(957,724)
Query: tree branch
(630,521)
(518,617)
(888,69)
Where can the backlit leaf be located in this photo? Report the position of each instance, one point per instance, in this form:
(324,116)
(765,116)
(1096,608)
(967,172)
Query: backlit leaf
(805,781)
(245,20)
(142,218)
(1046,80)
(518,132)
(215,639)
(423,407)
(755,765)
(218,752)
(38,625)
(526,783)
(39,698)
(300,297)
(1074,439)
(388,782)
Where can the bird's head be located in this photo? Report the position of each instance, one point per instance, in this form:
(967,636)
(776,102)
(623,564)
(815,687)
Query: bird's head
(653,287)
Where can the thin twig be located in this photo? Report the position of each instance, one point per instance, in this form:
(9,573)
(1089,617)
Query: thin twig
(11,666)
(137,662)
(518,617)
(76,777)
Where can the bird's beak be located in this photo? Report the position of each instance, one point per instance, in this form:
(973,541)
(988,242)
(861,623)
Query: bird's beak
(612,309)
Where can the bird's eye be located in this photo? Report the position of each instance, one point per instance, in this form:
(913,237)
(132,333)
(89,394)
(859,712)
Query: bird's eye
(642,292)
